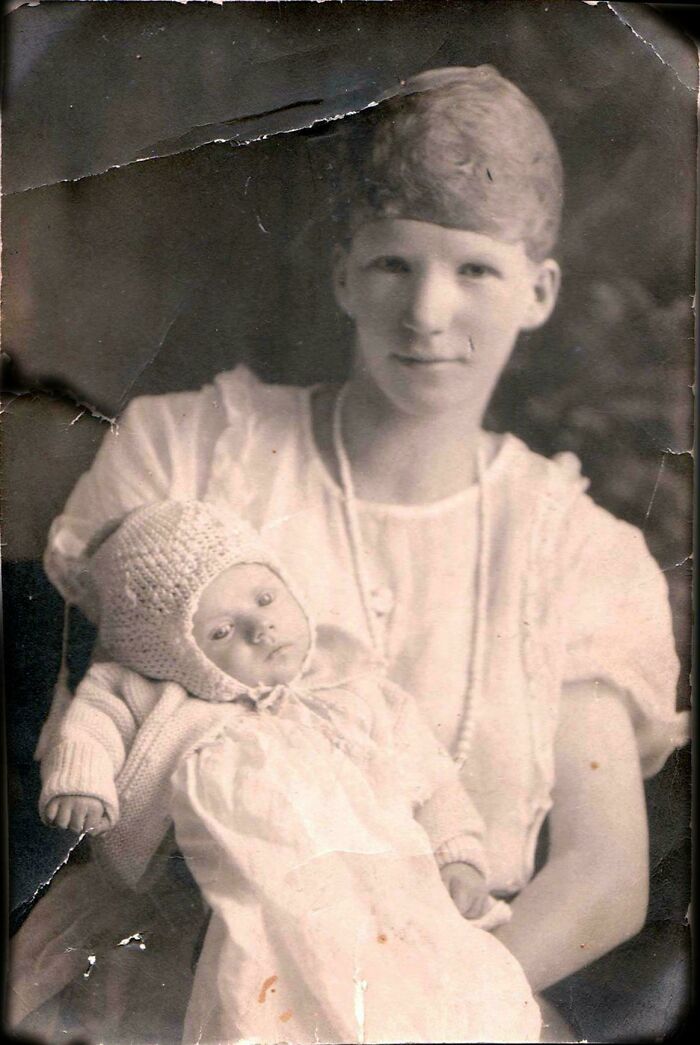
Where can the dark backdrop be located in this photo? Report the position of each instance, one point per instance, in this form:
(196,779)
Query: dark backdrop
(167,212)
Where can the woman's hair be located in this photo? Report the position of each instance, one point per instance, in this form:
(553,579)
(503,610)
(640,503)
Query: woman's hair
(460,147)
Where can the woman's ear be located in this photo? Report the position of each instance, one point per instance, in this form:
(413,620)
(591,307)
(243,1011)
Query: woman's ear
(545,288)
(340,279)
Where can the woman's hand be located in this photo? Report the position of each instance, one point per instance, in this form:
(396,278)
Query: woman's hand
(77,813)
(592,893)
(467,888)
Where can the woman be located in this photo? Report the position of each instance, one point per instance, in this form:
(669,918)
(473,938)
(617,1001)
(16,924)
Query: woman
(532,626)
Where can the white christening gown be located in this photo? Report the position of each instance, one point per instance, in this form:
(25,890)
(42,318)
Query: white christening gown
(330,921)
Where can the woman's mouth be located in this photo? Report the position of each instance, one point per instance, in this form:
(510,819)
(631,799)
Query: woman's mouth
(429,360)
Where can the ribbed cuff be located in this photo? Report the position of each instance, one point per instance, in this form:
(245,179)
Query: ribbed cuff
(463,849)
(60,702)
(498,913)
(79,767)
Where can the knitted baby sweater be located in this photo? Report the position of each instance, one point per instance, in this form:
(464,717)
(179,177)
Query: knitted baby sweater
(122,737)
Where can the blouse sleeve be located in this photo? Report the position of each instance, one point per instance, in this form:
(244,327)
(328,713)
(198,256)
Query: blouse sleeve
(619,632)
(162,446)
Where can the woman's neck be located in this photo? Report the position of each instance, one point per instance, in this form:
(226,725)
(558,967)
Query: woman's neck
(397,458)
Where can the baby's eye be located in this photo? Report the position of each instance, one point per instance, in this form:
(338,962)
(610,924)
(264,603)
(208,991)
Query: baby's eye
(265,598)
(222,632)
(392,264)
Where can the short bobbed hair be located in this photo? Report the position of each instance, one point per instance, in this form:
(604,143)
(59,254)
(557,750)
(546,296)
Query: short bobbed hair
(463,148)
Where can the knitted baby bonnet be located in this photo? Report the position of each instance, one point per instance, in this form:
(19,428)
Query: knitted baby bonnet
(148,575)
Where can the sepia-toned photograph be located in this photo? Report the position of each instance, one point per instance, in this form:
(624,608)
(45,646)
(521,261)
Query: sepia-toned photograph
(347,469)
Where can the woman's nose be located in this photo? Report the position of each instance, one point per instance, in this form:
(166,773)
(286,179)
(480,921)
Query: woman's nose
(430,304)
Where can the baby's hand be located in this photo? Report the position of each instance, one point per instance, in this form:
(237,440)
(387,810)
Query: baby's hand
(77,812)
(467,888)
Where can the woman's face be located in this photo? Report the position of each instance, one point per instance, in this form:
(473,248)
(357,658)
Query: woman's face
(437,310)
(250,625)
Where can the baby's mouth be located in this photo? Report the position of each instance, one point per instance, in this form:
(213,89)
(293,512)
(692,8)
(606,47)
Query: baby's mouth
(279,648)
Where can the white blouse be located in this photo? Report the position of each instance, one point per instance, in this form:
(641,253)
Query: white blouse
(572,594)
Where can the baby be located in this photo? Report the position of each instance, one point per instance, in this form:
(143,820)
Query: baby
(314,808)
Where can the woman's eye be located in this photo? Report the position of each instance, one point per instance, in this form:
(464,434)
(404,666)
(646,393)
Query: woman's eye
(474,270)
(265,598)
(391,264)
(222,632)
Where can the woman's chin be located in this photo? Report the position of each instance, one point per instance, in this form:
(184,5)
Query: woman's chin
(423,391)
(431,398)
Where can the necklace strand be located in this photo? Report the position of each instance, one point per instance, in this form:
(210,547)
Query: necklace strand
(359,559)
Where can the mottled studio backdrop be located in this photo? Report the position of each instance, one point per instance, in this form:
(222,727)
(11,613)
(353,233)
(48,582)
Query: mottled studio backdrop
(150,241)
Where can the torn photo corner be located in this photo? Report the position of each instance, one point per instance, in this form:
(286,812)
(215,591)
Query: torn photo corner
(409,289)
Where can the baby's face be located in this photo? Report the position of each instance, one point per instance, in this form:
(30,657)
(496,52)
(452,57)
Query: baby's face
(250,625)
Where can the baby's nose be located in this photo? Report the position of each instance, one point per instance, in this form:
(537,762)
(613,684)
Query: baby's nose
(261,631)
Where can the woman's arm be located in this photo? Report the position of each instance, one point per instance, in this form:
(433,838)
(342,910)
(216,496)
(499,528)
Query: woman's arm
(161,447)
(592,893)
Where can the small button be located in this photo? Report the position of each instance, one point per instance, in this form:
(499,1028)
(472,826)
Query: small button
(382,601)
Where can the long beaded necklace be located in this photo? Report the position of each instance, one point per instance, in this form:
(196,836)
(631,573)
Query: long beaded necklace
(359,559)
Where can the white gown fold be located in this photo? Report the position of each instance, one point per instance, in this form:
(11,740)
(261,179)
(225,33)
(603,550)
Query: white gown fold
(330,921)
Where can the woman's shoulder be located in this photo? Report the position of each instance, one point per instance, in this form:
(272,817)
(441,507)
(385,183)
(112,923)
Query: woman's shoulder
(241,391)
(513,459)
(523,485)
(550,497)
(231,394)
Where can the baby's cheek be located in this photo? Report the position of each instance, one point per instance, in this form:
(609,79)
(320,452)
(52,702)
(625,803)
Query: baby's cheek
(237,661)
(221,655)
